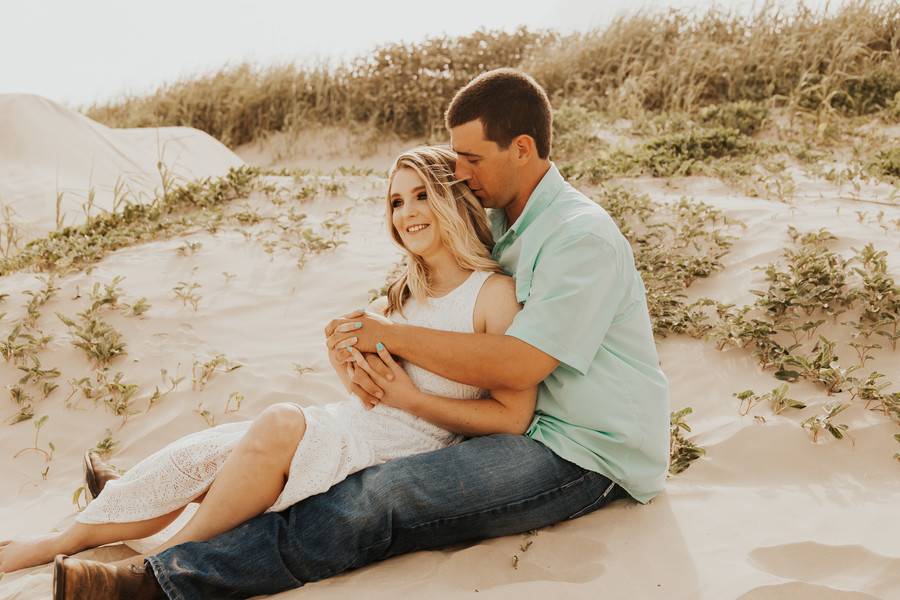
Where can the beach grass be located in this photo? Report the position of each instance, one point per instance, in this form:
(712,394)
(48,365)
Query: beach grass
(842,62)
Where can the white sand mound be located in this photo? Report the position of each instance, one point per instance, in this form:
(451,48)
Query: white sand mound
(46,149)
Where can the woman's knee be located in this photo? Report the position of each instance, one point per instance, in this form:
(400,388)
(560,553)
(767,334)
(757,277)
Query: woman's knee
(281,424)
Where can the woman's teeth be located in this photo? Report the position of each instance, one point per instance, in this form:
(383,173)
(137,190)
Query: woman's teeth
(415,228)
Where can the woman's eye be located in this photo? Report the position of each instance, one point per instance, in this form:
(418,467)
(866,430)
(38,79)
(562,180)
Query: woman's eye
(422,196)
(396,203)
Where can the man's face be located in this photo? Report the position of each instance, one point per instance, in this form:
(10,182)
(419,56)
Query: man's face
(488,170)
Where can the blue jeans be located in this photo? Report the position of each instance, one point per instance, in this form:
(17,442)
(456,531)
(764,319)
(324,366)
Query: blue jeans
(484,487)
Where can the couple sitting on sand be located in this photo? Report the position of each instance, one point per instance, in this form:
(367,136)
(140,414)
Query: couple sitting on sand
(485,418)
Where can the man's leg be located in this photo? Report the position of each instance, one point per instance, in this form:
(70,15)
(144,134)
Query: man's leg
(485,487)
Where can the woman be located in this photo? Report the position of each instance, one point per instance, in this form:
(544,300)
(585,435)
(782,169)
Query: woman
(239,470)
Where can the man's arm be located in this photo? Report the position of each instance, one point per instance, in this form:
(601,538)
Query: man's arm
(486,360)
(579,285)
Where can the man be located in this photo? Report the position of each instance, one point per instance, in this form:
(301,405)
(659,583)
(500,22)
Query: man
(600,430)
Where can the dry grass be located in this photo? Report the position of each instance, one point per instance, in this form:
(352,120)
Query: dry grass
(844,63)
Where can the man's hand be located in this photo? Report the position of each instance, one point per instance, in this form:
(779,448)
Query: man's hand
(360,329)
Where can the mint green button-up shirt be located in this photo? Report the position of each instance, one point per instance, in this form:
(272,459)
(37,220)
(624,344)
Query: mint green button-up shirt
(605,407)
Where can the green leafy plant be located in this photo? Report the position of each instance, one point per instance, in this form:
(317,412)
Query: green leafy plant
(823,422)
(202,371)
(682,452)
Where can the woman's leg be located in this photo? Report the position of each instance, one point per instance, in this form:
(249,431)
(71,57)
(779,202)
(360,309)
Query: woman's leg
(76,537)
(250,480)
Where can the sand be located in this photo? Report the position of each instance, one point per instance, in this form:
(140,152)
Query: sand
(766,514)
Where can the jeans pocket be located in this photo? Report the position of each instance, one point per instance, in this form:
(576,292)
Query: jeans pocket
(598,502)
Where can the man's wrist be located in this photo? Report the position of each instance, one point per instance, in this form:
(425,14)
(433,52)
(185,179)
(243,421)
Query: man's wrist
(416,402)
(394,339)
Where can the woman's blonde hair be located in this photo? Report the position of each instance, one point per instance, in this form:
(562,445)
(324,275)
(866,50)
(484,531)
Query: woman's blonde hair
(462,223)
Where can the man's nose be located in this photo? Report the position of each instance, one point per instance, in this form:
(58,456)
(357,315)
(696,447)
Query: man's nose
(461,172)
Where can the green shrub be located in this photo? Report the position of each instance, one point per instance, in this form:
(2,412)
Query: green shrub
(745,116)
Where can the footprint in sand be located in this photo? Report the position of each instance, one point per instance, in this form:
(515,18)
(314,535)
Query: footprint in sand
(797,590)
(835,570)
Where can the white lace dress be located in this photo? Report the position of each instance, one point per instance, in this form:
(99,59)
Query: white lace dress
(341,438)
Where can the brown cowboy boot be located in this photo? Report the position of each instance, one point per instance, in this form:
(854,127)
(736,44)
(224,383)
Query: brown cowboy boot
(97,473)
(75,579)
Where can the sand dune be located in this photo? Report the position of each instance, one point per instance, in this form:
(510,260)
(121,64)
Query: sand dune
(766,514)
(46,149)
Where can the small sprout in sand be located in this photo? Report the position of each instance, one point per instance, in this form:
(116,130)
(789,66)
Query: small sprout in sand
(23,400)
(35,373)
(305,192)
(201,372)
(748,400)
(10,235)
(189,248)
(139,307)
(863,352)
(207,416)
(167,379)
(89,203)
(84,385)
(777,399)
(823,422)
(47,454)
(98,339)
(236,398)
(186,292)
(118,395)
(682,452)
(108,295)
(106,446)
(47,388)
(247,217)
(333,188)
(302,369)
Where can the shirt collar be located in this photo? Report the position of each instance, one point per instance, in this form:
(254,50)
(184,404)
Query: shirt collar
(543,194)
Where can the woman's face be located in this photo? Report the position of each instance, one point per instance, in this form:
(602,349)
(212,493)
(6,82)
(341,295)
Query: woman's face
(411,214)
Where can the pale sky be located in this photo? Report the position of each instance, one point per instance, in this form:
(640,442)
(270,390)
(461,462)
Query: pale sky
(77,52)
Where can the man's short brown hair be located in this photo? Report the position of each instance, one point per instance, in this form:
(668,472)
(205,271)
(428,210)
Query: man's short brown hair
(509,103)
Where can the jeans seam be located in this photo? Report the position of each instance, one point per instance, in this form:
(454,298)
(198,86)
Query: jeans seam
(168,588)
(597,503)
(560,488)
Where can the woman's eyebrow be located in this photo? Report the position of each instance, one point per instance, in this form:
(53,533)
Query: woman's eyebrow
(413,191)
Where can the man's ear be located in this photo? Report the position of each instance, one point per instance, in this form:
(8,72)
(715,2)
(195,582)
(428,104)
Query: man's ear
(525,147)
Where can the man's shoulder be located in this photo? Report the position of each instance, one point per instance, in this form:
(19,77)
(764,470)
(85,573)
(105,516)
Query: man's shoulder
(574,216)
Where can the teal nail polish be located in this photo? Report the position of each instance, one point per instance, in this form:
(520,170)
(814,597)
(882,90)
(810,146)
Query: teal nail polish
(357,326)
(379,346)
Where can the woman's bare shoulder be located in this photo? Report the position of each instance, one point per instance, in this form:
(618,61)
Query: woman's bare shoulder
(500,288)
(496,305)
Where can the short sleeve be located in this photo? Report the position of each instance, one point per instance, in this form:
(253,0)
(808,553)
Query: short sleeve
(576,289)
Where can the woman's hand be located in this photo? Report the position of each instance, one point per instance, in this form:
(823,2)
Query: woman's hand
(360,328)
(399,392)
